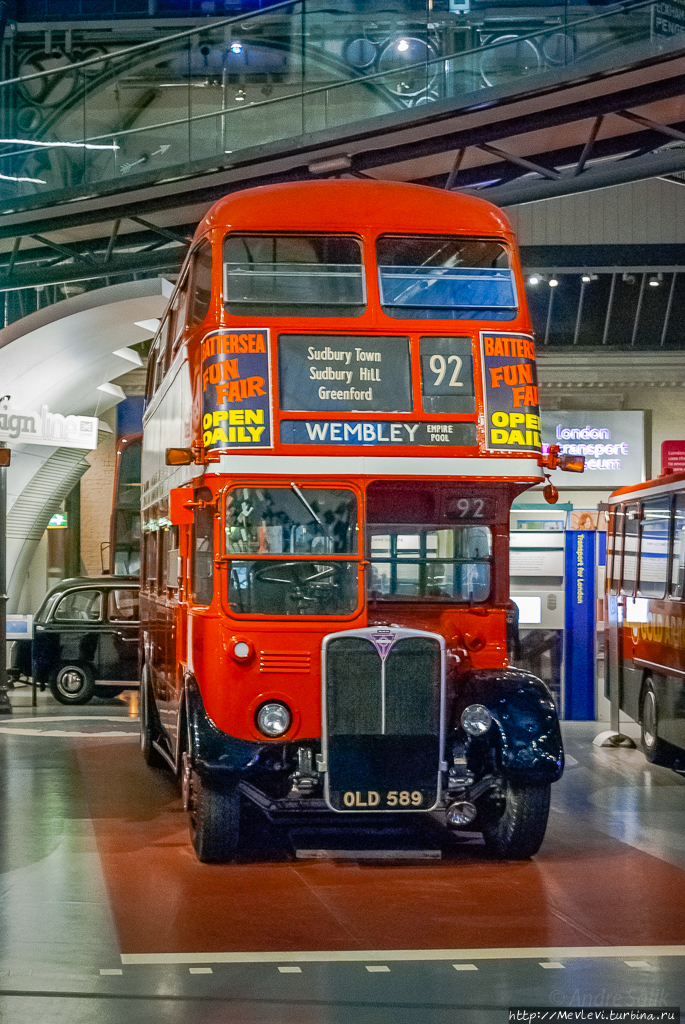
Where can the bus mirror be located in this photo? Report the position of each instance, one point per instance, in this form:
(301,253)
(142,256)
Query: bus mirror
(178,457)
(572,463)
(179,513)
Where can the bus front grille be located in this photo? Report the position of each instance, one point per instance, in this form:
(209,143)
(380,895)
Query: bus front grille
(383,699)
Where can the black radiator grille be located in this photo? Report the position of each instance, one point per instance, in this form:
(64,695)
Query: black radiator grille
(403,700)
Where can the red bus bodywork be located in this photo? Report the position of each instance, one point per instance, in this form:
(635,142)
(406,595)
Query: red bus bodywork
(645,636)
(192,666)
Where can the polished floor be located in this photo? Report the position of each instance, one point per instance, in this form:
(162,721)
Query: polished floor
(105,915)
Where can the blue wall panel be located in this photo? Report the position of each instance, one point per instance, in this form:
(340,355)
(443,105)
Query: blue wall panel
(579,646)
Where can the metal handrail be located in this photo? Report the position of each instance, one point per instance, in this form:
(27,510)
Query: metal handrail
(361,80)
(137,47)
(187,33)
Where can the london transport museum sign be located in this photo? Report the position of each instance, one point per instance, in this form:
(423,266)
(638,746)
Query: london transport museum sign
(356,374)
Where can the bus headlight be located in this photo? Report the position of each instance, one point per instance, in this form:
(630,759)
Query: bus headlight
(274,719)
(476,719)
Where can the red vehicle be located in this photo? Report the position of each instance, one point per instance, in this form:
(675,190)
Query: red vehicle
(342,406)
(644,613)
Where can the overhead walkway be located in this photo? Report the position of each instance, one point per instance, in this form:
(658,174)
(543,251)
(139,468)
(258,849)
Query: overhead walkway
(131,142)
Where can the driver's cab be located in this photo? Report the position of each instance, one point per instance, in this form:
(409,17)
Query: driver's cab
(292,549)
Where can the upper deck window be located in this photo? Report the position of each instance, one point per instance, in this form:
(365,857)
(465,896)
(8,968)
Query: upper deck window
(427,277)
(293,275)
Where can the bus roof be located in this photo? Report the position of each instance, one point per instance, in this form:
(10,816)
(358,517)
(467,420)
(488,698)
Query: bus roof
(353,206)
(665,482)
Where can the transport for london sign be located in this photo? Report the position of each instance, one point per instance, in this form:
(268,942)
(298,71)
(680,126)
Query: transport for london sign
(510,392)
(236,389)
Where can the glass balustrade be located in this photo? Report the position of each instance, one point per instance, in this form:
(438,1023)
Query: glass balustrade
(105,115)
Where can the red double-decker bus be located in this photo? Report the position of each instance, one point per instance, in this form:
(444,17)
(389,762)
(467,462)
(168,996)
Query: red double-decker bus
(342,406)
(644,613)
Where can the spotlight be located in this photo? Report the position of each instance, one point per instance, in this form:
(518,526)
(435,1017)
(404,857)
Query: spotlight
(553,282)
(586,278)
(240,96)
(533,279)
(402,45)
(236,47)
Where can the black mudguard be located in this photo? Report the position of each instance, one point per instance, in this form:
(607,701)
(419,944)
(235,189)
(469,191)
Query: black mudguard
(524,715)
(214,752)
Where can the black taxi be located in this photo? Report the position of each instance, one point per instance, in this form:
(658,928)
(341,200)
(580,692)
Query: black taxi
(85,639)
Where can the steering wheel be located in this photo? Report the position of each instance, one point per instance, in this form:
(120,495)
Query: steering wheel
(294,573)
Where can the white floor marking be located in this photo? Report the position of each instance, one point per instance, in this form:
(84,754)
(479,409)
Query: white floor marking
(290,970)
(465,967)
(200,970)
(111,970)
(636,963)
(10,730)
(368,854)
(356,955)
(552,966)
(376,968)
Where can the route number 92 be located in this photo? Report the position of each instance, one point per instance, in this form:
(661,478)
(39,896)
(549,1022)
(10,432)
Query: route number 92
(440,366)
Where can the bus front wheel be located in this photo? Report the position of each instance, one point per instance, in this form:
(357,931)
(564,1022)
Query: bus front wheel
(656,751)
(514,826)
(214,820)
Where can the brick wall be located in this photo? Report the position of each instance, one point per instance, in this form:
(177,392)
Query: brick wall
(97,487)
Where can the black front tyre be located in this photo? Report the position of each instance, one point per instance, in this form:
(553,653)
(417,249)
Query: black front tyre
(73,684)
(656,751)
(514,827)
(214,820)
(149,727)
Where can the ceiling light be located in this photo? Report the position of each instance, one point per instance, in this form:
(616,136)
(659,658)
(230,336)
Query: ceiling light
(586,278)
(58,145)
(240,96)
(236,47)
(533,279)
(329,165)
(402,45)
(653,282)
(553,282)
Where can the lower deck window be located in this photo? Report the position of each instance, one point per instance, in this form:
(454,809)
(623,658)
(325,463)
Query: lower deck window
(298,587)
(432,565)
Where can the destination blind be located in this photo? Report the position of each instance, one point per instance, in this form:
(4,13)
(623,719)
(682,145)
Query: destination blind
(334,373)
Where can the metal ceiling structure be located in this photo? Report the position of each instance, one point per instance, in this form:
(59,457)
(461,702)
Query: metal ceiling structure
(592,120)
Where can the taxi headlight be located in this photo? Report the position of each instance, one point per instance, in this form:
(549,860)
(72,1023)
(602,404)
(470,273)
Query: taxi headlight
(274,719)
(476,719)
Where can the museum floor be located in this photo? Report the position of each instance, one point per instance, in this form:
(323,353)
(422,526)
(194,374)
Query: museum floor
(106,915)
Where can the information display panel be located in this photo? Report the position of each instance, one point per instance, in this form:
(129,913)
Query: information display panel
(374,432)
(334,373)
(447,375)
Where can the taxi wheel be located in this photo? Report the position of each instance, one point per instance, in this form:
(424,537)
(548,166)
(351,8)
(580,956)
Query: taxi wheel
(214,820)
(73,684)
(149,728)
(517,832)
(656,751)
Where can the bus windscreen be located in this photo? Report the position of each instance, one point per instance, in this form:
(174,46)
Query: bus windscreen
(293,275)
(445,278)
